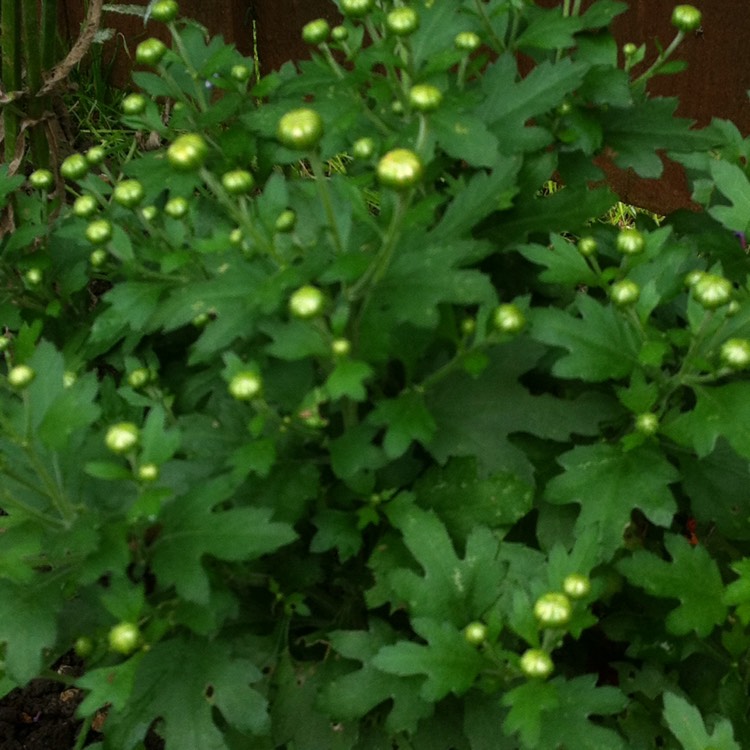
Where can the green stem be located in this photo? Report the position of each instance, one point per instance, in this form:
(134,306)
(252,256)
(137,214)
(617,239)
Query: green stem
(422,134)
(11,71)
(335,67)
(461,74)
(49,33)
(200,93)
(10,501)
(679,378)
(324,194)
(372,31)
(240,216)
(660,60)
(498,43)
(380,264)
(377,269)
(33,53)
(85,727)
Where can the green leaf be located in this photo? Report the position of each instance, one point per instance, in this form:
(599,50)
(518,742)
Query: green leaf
(478,416)
(73,410)
(424,275)
(691,576)
(550,29)
(296,339)
(720,411)
(737,593)
(158,444)
(545,87)
(111,685)
(106,470)
(564,211)
(297,721)
(563,718)
(717,488)
(483,724)
(347,380)
(484,193)
(464,500)
(48,385)
(464,136)
(131,305)
(407,419)
(354,457)
(635,134)
(235,295)
(183,682)
(434,34)
(529,704)
(732,181)
(450,664)
(354,694)
(686,724)
(608,483)
(450,588)
(256,457)
(600,344)
(562,261)
(28,624)
(337,530)
(8,183)
(193,529)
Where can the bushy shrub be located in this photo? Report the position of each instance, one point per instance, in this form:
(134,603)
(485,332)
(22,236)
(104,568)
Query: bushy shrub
(324,426)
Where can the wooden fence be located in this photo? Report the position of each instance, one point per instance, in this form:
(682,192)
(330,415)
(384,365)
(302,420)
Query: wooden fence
(716,83)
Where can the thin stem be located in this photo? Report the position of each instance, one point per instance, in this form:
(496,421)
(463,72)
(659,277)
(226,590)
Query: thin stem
(33,54)
(241,217)
(679,377)
(324,194)
(487,25)
(49,33)
(661,59)
(380,264)
(199,90)
(83,734)
(377,269)
(372,31)
(422,134)
(11,501)
(54,491)
(335,67)
(11,71)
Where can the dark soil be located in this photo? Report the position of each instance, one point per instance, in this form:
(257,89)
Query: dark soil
(41,715)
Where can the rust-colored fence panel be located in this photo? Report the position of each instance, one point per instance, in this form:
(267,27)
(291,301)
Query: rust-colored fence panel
(715,84)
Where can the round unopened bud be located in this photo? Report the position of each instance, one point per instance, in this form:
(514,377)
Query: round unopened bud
(122,437)
(712,291)
(735,353)
(630,242)
(20,376)
(245,386)
(577,586)
(536,663)
(587,246)
(647,423)
(552,609)
(475,633)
